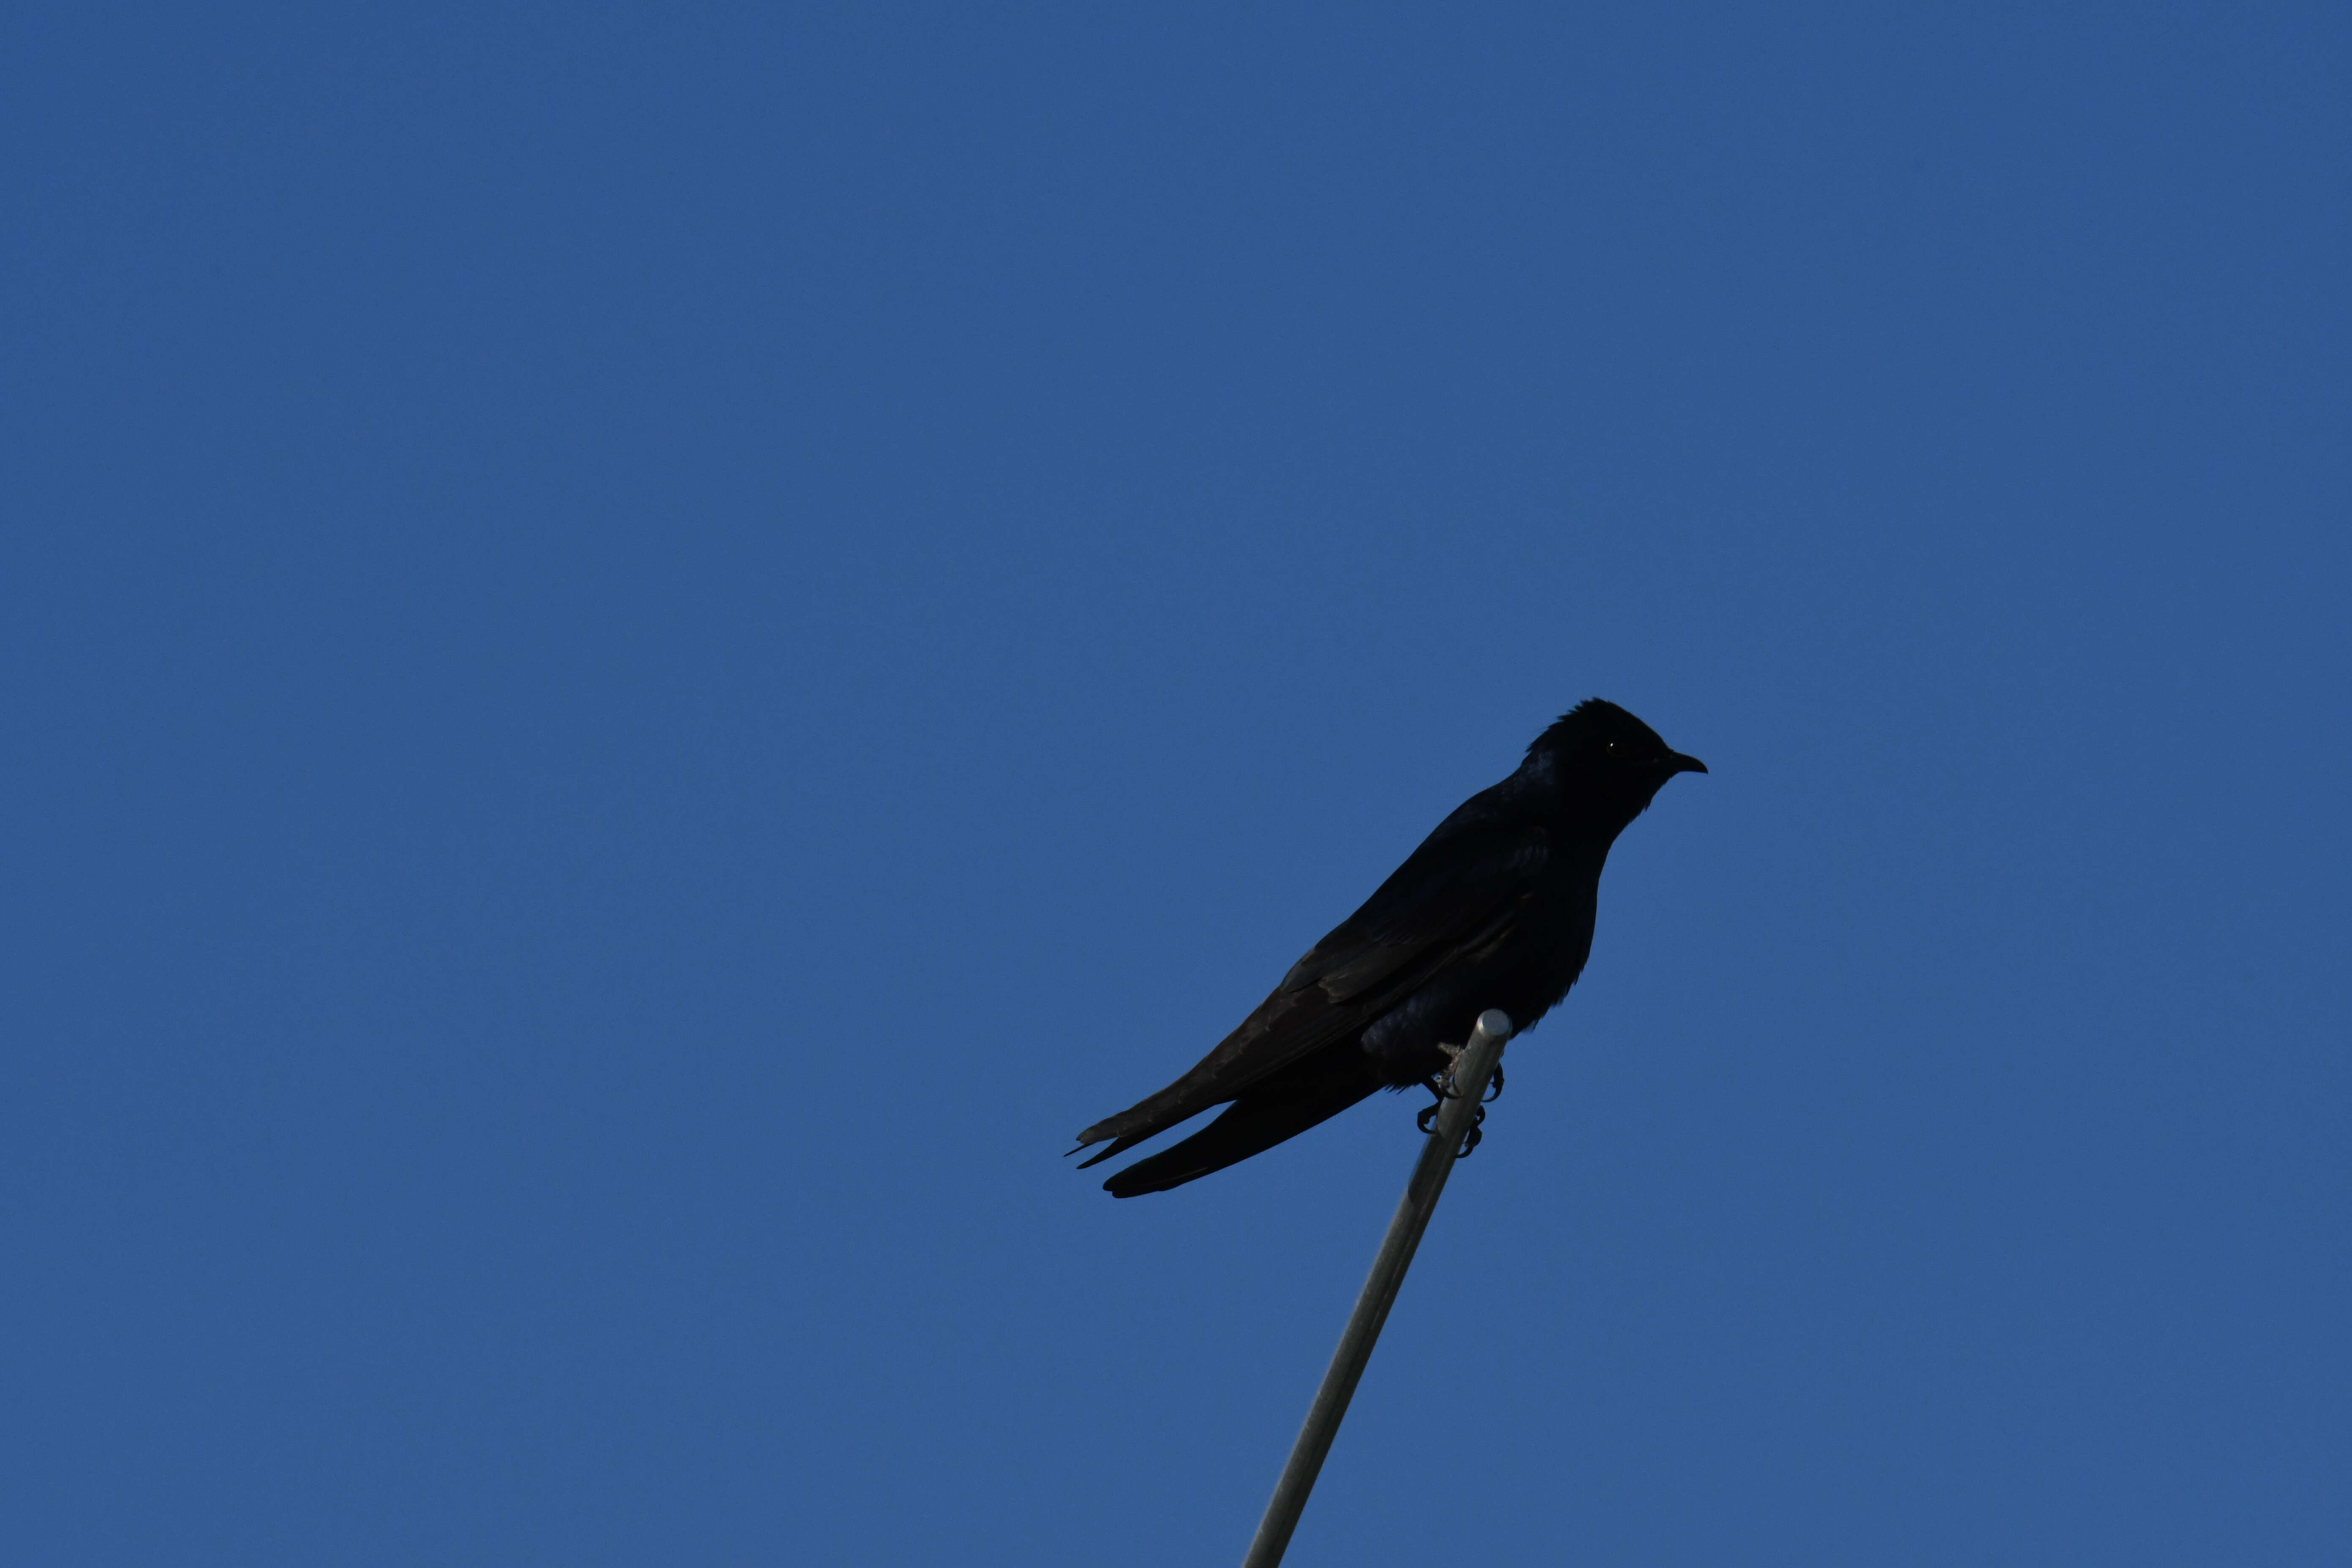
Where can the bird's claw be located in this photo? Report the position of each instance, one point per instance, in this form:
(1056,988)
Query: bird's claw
(1427,1122)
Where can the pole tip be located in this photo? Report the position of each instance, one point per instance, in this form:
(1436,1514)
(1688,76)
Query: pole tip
(1496,1023)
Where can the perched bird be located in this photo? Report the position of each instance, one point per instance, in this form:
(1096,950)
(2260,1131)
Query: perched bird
(1494,910)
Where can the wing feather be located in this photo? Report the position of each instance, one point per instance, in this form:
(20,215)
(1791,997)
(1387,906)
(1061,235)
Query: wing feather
(1457,896)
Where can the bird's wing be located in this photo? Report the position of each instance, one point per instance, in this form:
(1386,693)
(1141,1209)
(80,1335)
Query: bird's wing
(1456,897)
(1439,904)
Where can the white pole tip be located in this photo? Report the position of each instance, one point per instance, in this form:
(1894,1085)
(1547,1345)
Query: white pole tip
(1496,1022)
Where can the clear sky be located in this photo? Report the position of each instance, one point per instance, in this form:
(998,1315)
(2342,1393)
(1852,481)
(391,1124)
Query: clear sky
(647,650)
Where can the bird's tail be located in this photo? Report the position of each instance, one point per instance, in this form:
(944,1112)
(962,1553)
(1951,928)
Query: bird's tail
(1280,1105)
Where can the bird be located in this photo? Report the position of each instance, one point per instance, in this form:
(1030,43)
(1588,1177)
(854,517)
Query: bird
(1494,909)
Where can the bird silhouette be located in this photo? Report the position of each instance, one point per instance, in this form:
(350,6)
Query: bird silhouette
(1494,910)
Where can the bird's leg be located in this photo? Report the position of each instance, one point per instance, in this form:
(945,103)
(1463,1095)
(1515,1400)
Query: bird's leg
(1435,1084)
(1440,1087)
(1442,1082)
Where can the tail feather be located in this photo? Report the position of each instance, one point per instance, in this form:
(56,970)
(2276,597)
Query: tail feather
(1288,1027)
(1279,1107)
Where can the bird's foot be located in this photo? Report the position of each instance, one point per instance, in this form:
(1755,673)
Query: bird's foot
(1427,1119)
(1473,1140)
(1441,1082)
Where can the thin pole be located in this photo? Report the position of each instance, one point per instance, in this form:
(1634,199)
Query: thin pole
(1473,1070)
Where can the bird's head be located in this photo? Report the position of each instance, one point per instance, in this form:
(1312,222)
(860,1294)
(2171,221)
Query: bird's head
(1599,758)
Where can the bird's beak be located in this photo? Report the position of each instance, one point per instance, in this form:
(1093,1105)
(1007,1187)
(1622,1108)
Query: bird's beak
(1685,764)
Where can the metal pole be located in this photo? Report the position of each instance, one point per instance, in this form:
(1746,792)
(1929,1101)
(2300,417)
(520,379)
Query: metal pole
(1473,1070)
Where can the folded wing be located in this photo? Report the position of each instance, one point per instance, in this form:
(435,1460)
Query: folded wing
(1459,896)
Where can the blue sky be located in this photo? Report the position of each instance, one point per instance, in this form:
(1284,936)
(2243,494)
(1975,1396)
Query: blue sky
(648,649)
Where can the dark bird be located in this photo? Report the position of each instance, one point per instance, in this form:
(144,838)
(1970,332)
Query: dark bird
(1494,910)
